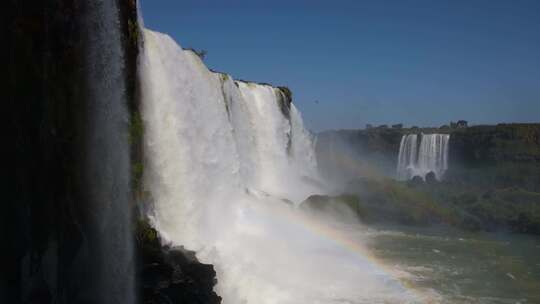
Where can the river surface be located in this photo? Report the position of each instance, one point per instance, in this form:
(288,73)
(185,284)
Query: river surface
(457,267)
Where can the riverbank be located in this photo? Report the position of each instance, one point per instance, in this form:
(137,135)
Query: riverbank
(418,203)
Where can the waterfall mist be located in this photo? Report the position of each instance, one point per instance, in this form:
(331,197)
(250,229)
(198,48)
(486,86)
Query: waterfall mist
(226,162)
(106,157)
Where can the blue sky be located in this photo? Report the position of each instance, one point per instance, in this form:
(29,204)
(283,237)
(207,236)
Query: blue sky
(348,63)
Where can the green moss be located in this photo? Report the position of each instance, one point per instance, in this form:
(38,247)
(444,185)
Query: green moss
(147,240)
(137,170)
(133,32)
(136,128)
(145,232)
(136,132)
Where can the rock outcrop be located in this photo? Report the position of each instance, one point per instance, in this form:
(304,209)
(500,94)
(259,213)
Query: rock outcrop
(171,275)
(46,224)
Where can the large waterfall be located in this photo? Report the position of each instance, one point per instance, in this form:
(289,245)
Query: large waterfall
(226,161)
(430,156)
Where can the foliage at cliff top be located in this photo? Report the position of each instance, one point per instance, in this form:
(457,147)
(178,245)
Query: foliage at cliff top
(419,203)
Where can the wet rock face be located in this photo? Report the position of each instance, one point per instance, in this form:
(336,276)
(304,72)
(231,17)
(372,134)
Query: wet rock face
(285,100)
(174,278)
(45,220)
(171,275)
(431,178)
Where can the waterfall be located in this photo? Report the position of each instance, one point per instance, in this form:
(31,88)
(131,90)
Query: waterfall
(106,156)
(431,156)
(225,159)
(407,156)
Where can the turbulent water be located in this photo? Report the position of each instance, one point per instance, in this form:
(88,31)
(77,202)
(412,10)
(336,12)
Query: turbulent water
(227,161)
(461,267)
(430,156)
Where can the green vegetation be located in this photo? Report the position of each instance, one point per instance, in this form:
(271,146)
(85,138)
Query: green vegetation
(513,208)
(201,53)
(418,203)
(136,128)
(493,181)
(500,153)
(137,170)
(496,176)
(484,146)
(224,77)
(133,32)
(146,235)
(136,133)
(320,202)
(400,202)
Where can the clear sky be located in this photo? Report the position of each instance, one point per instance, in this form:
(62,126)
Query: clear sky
(349,63)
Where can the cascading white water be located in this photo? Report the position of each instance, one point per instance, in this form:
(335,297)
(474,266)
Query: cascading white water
(431,156)
(407,156)
(222,157)
(281,151)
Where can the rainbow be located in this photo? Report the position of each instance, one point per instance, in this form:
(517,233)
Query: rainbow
(336,236)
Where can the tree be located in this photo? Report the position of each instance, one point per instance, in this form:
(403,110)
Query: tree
(201,53)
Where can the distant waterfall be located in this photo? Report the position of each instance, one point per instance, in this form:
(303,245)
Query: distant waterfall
(408,155)
(227,160)
(430,156)
(433,154)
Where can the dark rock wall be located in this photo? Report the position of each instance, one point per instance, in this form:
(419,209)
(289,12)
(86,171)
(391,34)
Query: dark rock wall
(47,222)
(171,275)
(43,214)
(46,219)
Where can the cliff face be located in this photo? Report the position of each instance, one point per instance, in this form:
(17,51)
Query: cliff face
(60,237)
(501,156)
(48,218)
(508,152)
(43,212)
(491,145)
(492,181)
